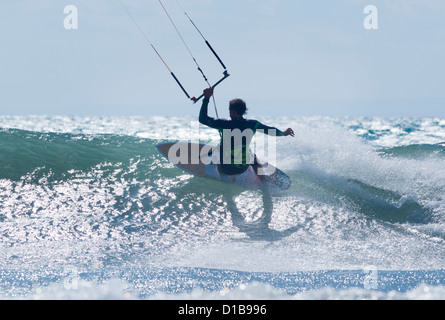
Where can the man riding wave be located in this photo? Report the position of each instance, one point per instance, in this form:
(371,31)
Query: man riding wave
(236,135)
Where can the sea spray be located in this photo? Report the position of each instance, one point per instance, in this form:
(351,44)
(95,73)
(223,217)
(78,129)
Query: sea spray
(92,194)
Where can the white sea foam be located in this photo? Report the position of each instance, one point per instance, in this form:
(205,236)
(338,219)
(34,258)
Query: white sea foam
(118,290)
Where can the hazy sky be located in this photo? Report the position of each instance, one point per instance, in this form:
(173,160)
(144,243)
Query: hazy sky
(285,57)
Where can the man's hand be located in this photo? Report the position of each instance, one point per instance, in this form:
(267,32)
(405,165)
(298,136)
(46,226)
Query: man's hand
(208,92)
(289,132)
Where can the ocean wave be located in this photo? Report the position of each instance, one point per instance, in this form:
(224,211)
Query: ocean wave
(54,155)
(416,151)
(110,199)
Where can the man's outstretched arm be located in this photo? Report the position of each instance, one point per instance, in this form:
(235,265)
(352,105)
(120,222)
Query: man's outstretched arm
(279,133)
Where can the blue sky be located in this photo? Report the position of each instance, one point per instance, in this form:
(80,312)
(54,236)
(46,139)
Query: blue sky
(285,57)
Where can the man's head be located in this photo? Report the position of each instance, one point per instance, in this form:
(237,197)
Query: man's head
(237,108)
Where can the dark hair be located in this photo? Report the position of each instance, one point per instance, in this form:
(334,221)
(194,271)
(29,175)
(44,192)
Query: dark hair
(239,106)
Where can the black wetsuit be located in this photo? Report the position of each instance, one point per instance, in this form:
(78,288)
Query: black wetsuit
(230,163)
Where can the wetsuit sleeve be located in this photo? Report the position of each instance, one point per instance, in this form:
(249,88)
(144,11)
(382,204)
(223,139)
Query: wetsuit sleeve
(209,121)
(268,130)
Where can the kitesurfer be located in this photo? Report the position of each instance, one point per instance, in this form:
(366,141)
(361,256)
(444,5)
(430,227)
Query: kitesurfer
(236,135)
